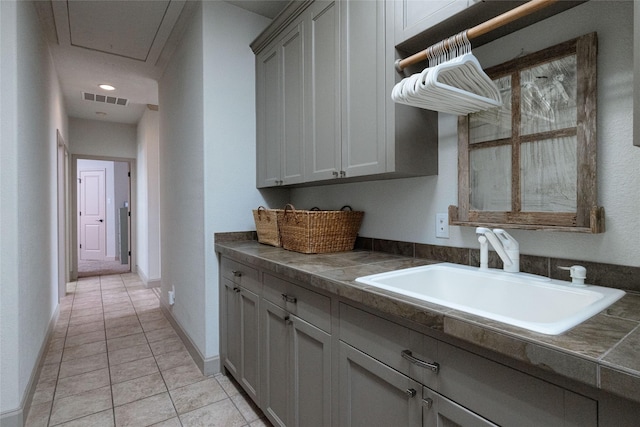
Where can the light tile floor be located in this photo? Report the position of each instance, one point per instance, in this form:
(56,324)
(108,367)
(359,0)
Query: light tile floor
(115,360)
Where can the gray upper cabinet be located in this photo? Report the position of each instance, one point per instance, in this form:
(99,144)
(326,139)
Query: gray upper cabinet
(346,122)
(279,98)
(323,156)
(413,17)
(267,118)
(363,88)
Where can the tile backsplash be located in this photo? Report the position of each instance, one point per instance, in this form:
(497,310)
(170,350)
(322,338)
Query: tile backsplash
(610,275)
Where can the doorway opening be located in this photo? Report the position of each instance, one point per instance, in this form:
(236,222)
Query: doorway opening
(103,219)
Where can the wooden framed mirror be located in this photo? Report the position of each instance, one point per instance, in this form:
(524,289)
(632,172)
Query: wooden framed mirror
(531,164)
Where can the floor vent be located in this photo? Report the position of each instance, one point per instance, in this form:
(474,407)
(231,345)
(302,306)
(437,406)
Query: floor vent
(105,99)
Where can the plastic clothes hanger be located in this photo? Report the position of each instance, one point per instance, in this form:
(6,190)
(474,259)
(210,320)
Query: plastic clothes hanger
(457,85)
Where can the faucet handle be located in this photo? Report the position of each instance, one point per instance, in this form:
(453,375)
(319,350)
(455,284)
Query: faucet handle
(482,230)
(577,272)
(507,239)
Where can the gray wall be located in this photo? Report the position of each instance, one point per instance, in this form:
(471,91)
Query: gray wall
(207,166)
(32,109)
(104,139)
(148,199)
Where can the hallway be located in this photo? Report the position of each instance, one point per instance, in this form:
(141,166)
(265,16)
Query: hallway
(115,360)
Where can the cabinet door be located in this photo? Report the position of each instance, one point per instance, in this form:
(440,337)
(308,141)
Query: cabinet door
(268,118)
(276,364)
(438,411)
(292,153)
(250,342)
(323,139)
(415,16)
(373,394)
(507,396)
(311,374)
(363,87)
(231,319)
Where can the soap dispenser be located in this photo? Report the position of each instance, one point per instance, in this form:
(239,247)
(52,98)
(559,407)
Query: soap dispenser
(577,272)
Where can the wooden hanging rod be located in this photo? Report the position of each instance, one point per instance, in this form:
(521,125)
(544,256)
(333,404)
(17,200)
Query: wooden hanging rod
(487,26)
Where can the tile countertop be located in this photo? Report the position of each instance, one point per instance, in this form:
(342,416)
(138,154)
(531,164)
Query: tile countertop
(603,352)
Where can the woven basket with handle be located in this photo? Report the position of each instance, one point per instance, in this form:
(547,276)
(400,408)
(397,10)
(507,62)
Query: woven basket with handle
(316,231)
(267,226)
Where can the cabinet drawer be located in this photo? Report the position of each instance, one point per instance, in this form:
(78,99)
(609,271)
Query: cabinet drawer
(240,274)
(385,341)
(308,305)
(507,396)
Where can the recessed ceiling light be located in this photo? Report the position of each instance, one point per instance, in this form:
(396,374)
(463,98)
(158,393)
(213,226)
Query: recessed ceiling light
(106,87)
(101,113)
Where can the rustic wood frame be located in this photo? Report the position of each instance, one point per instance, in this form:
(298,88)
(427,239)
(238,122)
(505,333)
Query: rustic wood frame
(588,218)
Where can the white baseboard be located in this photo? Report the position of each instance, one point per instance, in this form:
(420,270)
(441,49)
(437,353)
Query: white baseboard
(15,418)
(149,283)
(18,416)
(209,366)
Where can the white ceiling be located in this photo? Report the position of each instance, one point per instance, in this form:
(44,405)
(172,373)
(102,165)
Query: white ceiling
(123,43)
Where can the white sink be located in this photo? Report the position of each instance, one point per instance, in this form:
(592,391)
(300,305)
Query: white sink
(532,302)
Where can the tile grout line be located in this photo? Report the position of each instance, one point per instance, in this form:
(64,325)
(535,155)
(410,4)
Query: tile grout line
(139,311)
(158,366)
(106,346)
(64,343)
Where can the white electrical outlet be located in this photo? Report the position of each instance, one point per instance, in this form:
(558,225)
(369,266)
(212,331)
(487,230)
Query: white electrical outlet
(442,225)
(172,295)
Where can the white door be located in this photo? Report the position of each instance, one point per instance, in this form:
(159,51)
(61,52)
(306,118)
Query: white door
(92,215)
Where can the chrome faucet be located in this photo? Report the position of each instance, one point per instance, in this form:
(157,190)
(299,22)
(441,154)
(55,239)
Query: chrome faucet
(506,246)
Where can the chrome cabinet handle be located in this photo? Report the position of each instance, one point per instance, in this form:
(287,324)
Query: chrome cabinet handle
(434,366)
(236,289)
(410,393)
(289,298)
(236,273)
(427,403)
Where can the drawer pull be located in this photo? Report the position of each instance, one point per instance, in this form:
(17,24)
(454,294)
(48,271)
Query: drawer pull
(434,366)
(427,403)
(411,392)
(236,273)
(236,289)
(289,298)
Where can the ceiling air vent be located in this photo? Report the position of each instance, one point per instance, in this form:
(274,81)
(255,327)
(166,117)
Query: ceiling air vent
(104,99)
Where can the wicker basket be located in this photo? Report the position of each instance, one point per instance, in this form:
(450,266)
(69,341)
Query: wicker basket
(267,226)
(317,232)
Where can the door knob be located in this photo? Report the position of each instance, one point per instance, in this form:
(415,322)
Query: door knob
(101,220)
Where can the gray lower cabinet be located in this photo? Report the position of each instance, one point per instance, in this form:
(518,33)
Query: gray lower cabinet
(465,387)
(276,341)
(373,394)
(241,344)
(296,366)
(438,411)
